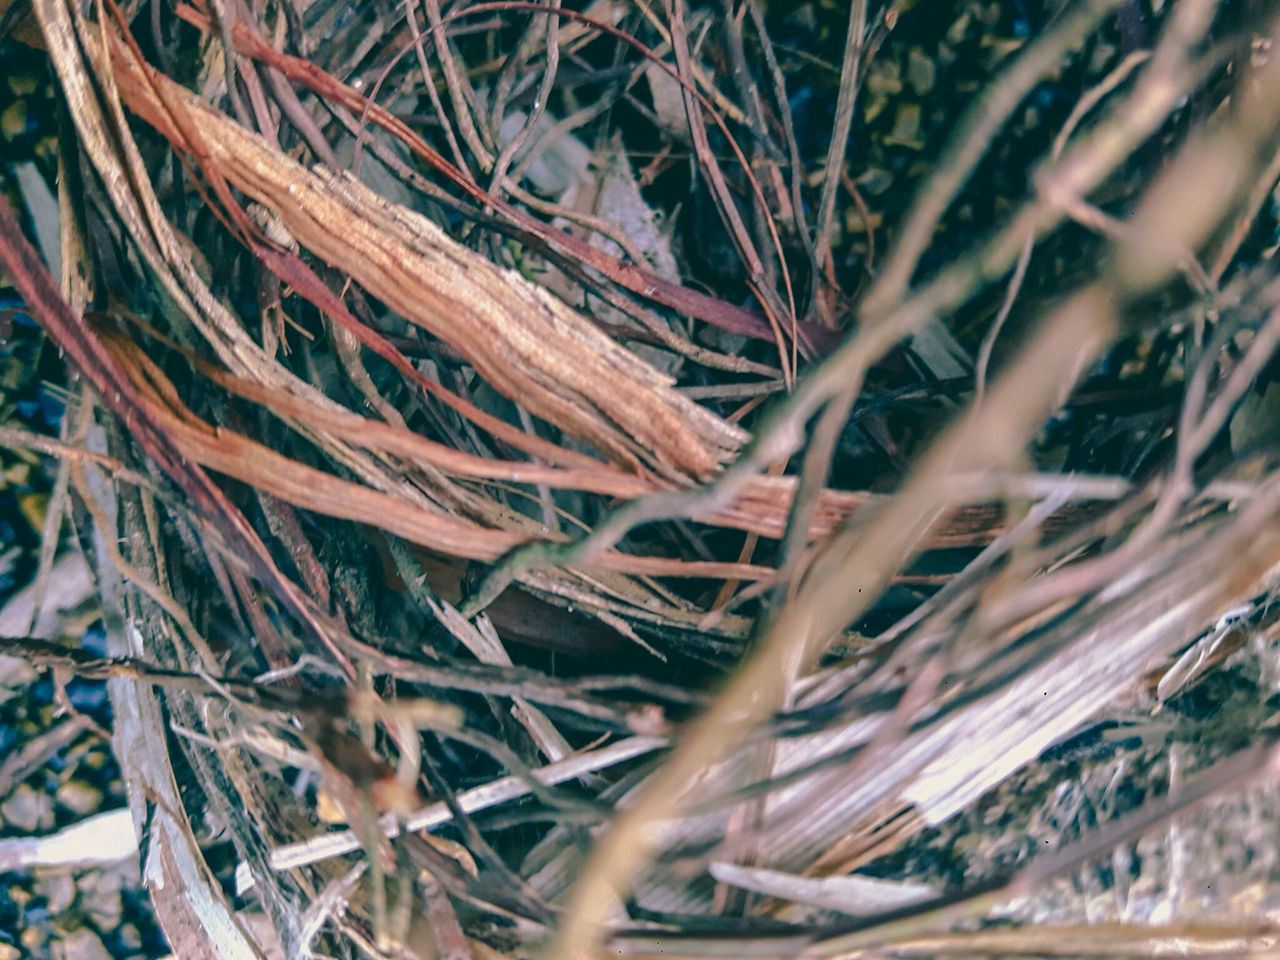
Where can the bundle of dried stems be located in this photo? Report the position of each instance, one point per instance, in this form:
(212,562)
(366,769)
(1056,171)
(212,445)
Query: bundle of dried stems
(290,440)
